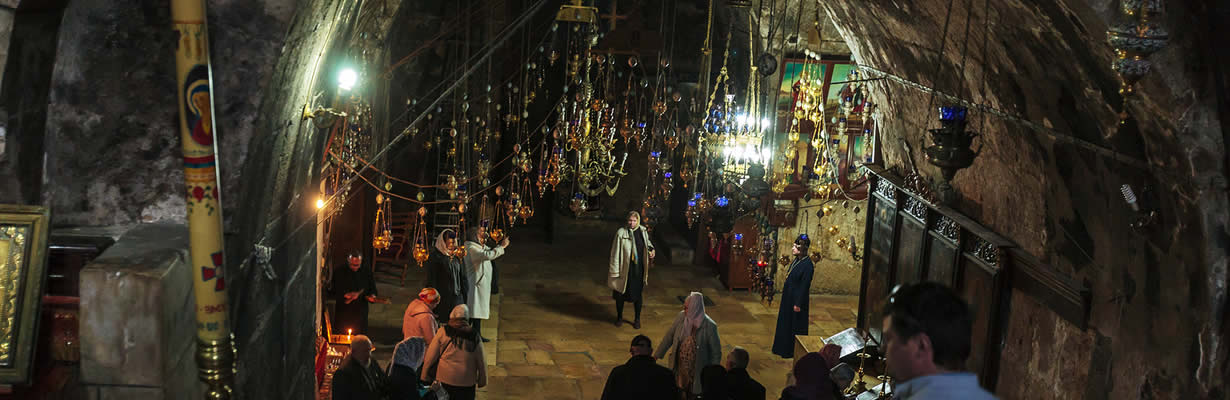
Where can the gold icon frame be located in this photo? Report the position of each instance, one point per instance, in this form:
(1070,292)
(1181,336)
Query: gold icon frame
(23,272)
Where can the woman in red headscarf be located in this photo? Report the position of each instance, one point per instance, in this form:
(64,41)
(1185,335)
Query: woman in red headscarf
(419,320)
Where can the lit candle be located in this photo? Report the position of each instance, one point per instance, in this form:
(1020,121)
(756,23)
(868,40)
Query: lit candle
(348,332)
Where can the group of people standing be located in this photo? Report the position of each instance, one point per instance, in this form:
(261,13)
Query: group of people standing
(925,357)
(464,280)
(433,361)
(432,357)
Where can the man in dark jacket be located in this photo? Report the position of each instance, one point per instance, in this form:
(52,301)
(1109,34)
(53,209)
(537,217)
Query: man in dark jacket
(742,386)
(641,378)
(360,377)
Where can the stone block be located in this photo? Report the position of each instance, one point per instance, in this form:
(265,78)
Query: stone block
(137,319)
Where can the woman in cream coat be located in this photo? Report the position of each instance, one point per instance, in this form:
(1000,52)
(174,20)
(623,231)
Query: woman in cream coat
(478,271)
(631,256)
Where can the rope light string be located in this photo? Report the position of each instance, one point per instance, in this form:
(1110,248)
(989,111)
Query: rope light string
(530,137)
(1049,132)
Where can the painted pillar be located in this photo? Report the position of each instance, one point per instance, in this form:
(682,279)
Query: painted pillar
(215,354)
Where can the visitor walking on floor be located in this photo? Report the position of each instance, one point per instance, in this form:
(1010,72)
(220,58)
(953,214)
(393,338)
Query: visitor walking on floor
(446,274)
(641,378)
(419,319)
(631,256)
(478,275)
(926,338)
(793,309)
(455,357)
(695,339)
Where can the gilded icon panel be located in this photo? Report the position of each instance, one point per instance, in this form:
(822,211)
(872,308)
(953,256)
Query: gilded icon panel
(23,243)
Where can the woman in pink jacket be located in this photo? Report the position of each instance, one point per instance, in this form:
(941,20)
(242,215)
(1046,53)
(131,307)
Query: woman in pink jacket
(419,319)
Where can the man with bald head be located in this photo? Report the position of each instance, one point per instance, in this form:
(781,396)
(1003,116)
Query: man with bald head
(360,377)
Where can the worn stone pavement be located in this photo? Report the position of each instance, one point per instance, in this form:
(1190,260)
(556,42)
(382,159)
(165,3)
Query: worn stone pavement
(552,330)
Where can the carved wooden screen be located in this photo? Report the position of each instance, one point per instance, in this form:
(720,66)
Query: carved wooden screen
(911,240)
(878,256)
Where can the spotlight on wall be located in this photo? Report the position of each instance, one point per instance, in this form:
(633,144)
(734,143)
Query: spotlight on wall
(347,78)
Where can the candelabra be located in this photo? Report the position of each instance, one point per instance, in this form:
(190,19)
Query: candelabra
(860,384)
(886,389)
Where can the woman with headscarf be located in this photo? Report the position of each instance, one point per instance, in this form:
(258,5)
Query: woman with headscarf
(695,339)
(811,380)
(446,274)
(793,309)
(404,370)
(455,357)
(478,274)
(628,272)
(419,318)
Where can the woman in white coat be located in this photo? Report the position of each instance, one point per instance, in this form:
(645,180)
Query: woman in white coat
(478,271)
(631,253)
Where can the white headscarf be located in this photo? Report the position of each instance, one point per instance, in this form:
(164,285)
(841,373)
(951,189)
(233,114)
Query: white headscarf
(410,352)
(441,246)
(461,311)
(695,313)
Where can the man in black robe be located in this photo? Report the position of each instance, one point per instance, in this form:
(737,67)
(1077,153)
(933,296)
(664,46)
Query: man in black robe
(793,309)
(354,286)
(641,378)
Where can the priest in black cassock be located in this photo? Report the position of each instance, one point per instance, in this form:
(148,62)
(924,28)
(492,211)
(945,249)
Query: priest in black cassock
(354,286)
(792,311)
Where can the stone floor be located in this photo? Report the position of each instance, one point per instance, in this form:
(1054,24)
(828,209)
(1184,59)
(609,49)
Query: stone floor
(552,323)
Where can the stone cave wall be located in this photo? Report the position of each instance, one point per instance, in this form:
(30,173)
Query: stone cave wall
(1052,185)
(112,135)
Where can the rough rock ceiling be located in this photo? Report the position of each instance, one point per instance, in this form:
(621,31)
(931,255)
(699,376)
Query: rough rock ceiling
(784,20)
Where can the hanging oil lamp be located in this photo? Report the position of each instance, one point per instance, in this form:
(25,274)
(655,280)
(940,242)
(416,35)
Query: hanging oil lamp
(381,235)
(951,151)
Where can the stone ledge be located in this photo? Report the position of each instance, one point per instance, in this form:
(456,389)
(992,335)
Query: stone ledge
(137,319)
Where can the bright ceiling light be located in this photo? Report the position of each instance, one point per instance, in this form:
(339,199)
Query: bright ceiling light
(347,78)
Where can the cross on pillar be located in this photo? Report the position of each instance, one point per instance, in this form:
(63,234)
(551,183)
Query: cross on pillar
(614,17)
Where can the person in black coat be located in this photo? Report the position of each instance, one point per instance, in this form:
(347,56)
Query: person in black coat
(713,383)
(446,275)
(742,386)
(641,378)
(353,287)
(360,377)
(792,310)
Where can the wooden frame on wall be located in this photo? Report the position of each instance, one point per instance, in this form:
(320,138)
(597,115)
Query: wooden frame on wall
(23,263)
(908,239)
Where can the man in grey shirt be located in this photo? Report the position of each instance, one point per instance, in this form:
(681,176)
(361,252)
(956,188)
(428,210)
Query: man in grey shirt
(926,341)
